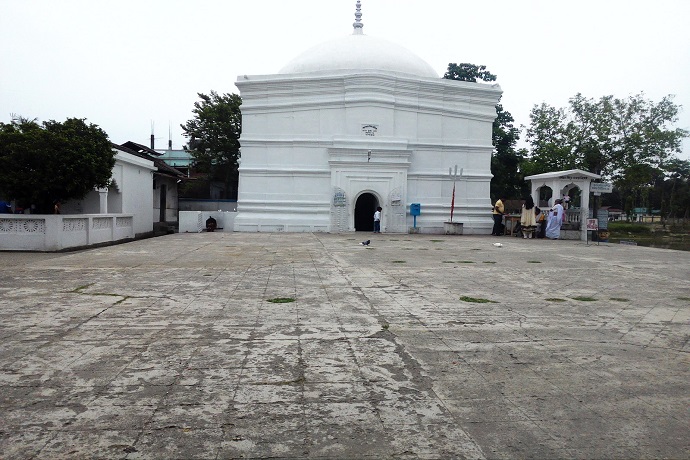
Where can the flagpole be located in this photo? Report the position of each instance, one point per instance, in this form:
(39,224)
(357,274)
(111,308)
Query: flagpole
(454,176)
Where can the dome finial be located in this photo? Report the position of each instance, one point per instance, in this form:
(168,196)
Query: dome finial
(358,20)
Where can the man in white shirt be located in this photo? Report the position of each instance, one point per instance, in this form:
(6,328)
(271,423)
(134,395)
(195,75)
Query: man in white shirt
(377,220)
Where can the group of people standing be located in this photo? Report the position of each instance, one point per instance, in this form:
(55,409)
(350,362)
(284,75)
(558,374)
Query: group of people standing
(533,221)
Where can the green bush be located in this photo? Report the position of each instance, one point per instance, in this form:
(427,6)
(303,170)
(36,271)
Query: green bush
(630,227)
(680,228)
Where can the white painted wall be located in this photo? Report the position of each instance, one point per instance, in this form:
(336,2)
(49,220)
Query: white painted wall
(83,222)
(303,140)
(40,232)
(195,221)
(132,194)
(136,188)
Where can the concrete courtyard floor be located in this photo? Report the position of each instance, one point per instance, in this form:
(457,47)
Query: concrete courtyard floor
(169,348)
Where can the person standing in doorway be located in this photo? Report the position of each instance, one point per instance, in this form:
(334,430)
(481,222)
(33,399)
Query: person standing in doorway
(377,220)
(498,211)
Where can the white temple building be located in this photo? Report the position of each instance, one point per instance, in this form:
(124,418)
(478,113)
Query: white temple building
(356,123)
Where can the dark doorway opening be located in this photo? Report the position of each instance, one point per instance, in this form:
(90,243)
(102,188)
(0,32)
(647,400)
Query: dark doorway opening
(364,212)
(163,202)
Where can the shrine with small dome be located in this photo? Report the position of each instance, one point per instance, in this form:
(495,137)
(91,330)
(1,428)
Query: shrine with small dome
(357,123)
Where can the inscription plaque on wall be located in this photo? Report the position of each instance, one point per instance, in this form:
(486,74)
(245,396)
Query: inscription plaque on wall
(396,198)
(339,199)
(370,130)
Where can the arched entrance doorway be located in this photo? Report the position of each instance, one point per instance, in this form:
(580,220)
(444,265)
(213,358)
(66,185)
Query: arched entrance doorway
(545,195)
(364,212)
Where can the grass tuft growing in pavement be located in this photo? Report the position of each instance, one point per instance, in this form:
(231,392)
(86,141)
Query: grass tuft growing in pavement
(281,300)
(476,300)
(534,261)
(684,298)
(619,299)
(297,381)
(398,261)
(584,299)
(555,299)
(81,288)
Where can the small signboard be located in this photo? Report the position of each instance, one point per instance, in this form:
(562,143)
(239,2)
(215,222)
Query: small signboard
(593,224)
(600,187)
(396,199)
(339,199)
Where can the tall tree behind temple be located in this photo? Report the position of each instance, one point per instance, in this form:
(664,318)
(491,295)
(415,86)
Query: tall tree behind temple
(508,181)
(214,138)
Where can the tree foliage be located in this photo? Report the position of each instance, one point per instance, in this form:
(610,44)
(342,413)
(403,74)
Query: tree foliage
(52,161)
(508,181)
(214,135)
(468,72)
(609,136)
(677,188)
(630,141)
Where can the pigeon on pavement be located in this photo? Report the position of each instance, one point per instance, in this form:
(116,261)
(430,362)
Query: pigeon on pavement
(365,243)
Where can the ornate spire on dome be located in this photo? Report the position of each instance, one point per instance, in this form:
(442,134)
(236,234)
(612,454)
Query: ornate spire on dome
(358,26)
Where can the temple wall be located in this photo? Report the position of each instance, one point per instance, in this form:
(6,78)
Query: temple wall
(304,137)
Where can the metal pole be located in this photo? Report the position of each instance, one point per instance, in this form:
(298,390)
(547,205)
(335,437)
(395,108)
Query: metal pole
(454,176)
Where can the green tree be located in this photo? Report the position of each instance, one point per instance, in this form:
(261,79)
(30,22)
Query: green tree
(677,188)
(549,140)
(52,161)
(214,135)
(468,72)
(508,180)
(630,141)
(609,136)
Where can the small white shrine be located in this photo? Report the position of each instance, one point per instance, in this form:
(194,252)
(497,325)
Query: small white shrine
(357,123)
(547,187)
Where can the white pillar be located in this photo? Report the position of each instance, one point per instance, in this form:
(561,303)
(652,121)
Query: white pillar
(103,200)
(584,209)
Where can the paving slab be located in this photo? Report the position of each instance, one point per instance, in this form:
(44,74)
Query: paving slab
(417,346)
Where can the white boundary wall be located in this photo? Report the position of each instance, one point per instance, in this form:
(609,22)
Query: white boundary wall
(195,221)
(38,232)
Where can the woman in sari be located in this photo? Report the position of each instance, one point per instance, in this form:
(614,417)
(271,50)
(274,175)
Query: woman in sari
(553,226)
(528,221)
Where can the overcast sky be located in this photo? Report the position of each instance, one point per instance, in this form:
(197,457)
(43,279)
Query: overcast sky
(126,64)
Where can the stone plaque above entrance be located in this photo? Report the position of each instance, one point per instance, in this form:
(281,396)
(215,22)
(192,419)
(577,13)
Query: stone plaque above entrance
(370,129)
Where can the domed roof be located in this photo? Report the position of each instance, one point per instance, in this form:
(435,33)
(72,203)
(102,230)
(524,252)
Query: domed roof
(359,52)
